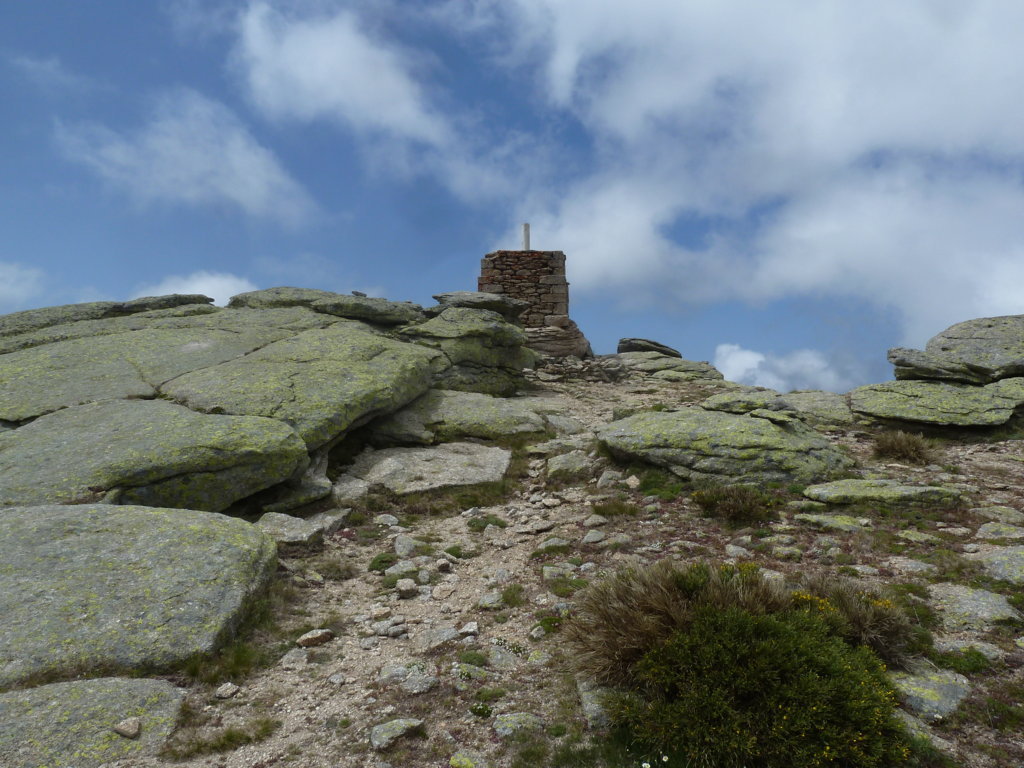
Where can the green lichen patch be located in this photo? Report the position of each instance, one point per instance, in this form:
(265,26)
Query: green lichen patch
(71,724)
(99,587)
(148,452)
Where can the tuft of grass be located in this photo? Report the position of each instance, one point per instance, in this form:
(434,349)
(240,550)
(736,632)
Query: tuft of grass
(459,551)
(737,505)
(475,658)
(616,508)
(715,665)
(660,483)
(565,587)
(551,549)
(335,569)
(513,595)
(382,562)
(192,739)
(255,645)
(968,662)
(489,695)
(478,523)
(903,446)
(998,708)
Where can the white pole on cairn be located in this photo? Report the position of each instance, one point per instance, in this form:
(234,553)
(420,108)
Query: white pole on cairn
(526,237)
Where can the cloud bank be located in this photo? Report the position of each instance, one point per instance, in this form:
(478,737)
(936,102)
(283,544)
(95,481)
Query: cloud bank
(192,151)
(802,369)
(839,149)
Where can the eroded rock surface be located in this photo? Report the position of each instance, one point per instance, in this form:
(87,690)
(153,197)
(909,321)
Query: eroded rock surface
(72,724)
(147,452)
(699,443)
(99,587)
(978,351)
(934,402)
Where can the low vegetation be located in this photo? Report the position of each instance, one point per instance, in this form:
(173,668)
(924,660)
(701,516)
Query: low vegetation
(903,446)
(717,666)
(737,505)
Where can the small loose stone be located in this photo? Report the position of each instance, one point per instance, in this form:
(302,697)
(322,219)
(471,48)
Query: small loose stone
(314,638)
(129,728)
(226,691)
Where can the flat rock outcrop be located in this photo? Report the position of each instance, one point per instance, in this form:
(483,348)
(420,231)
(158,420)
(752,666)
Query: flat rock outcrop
(976,351)
(940,403)
(446,415)
(72,724)
(693,442)
(321,381)
(668,367)
(880,491)
(149,452)
(487,354)
(508,307)
(100,587)
(646,345)
(408,470)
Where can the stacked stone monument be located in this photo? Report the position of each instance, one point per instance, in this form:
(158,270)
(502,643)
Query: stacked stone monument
(537,277)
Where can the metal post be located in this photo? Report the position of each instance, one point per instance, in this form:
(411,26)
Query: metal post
(526,237)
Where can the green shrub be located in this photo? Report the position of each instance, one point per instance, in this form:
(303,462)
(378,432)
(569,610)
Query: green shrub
(718,666)
(382,562)
(737,505)
(737,689)
(903,446)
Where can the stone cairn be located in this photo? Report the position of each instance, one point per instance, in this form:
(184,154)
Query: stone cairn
(537,277)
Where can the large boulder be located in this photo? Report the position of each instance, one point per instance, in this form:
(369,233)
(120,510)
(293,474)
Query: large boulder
(758,447)
(669,367)
(410,470)
(508,307)
(72,724)
(281,296)
(487,353)
(322,381)
(372,310)
(940,403)
(131,357)
(882,492)
(145,452)
(976,351)
(99,587)
(445,415)
(646,345)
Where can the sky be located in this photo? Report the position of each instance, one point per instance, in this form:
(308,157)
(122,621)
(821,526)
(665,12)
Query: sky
(784,189)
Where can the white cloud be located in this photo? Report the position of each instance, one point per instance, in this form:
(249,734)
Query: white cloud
(836,149)
(193,151)
(326,66)
(220,286)
(19,286)
(48,73)
(802,369)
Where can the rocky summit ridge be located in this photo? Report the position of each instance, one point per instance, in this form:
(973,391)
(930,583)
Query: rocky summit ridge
(414,495)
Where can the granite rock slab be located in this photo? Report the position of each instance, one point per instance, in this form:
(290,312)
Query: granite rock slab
(101,587)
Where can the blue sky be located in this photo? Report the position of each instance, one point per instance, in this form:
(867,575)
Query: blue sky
(785,189)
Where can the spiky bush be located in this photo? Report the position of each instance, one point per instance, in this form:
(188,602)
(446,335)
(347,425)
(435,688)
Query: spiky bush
(619,619)
(903,446)
(737,505)
(718,666)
